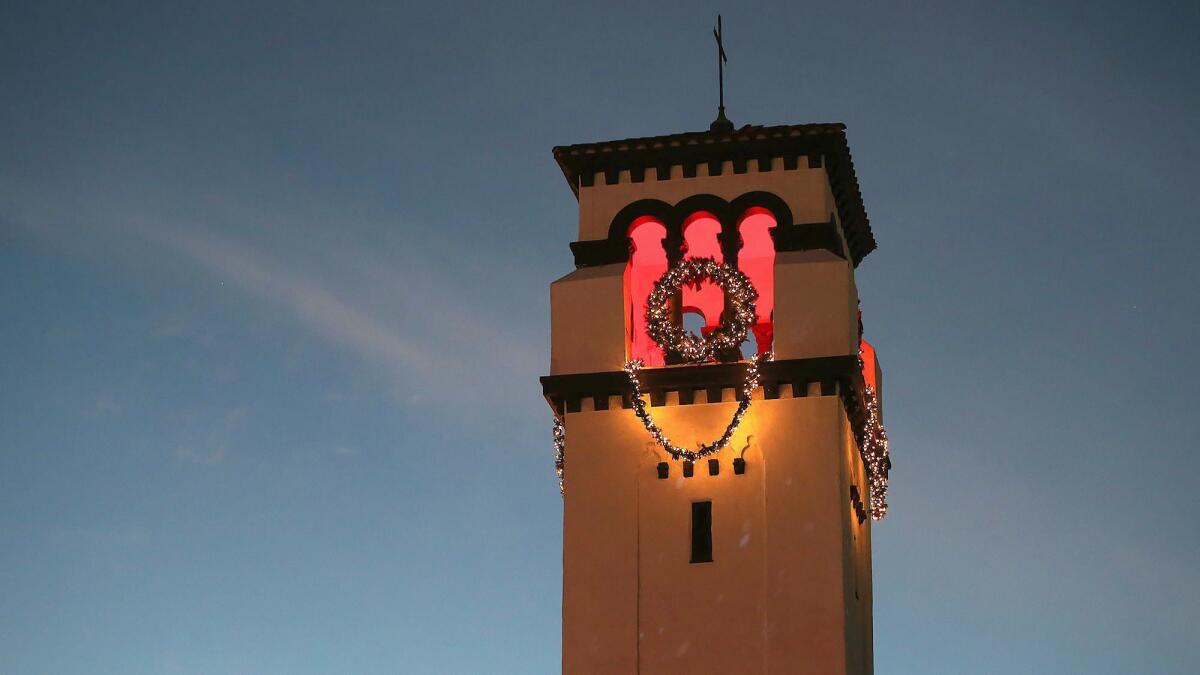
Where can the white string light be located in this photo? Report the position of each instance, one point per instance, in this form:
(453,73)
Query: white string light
(740,296)
(703,449)
(560,450)
(735,321)
(875,454)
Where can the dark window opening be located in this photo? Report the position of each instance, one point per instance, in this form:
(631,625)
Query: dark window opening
(701,532)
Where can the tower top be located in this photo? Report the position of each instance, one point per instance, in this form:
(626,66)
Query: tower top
(583,165)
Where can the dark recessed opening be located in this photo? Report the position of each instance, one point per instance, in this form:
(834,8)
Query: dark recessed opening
(739,466)
(701,532)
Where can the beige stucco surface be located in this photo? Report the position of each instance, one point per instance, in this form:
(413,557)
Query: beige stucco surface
(816,305)
(815,314)
(806,192)
(588,320)
(774,597)
(789,587)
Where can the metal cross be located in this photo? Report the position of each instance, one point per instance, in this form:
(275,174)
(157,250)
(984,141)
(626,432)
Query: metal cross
(721,123)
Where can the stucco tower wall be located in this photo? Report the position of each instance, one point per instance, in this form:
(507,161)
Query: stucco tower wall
(774,597)
(805,190)
(588,321)
(788,589)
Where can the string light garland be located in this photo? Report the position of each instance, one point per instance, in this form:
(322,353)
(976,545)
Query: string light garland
(703,449)
(875,454)
(735,321)
(560,450)
(874,445)
(740,297)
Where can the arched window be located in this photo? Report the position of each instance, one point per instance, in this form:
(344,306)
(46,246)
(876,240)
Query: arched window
(700,240)
(756,259)
(701,234)
(647,262)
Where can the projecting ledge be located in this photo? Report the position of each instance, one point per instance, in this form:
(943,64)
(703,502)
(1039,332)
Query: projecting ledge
(689,385)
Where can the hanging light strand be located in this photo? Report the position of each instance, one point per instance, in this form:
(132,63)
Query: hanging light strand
(560,450)
(703,449)
(740,297)
(875,454)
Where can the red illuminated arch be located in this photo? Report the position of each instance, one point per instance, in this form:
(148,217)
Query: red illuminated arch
(647,262)
(650,235)
(701,232)
(756,259)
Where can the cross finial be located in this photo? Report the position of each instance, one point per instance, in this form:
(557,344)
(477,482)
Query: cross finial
(722,123)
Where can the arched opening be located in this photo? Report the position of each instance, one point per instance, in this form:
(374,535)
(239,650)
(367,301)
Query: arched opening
(701,239)
(756,259)
(693,320)
(647,262)
(702,236)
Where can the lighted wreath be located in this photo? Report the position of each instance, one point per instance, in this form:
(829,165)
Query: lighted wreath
(739,315)
(735,321)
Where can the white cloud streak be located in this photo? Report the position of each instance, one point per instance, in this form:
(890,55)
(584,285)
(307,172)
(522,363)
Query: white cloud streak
(316,307)
(429,318)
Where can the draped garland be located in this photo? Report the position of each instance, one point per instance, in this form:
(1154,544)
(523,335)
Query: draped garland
(703,449)
(740,296)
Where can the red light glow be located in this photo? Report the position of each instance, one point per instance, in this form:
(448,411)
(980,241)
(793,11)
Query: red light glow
(868,359)
(647,262)
(757,261)
(700,241)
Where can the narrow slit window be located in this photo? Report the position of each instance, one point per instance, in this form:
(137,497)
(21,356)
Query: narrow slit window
(701,532)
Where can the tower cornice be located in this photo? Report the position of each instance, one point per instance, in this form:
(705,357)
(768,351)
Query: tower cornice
(583,165)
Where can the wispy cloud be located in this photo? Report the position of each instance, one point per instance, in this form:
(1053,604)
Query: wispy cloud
(436,319)
(213,447)
(403,317)
(106,406)
(323,312)
(190,455)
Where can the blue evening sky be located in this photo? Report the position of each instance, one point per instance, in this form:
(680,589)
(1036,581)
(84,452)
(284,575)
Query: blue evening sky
(273,305)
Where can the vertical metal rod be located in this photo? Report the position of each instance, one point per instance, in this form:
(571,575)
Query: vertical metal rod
(720,67)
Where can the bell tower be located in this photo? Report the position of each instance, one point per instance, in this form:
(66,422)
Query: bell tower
(751,555)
